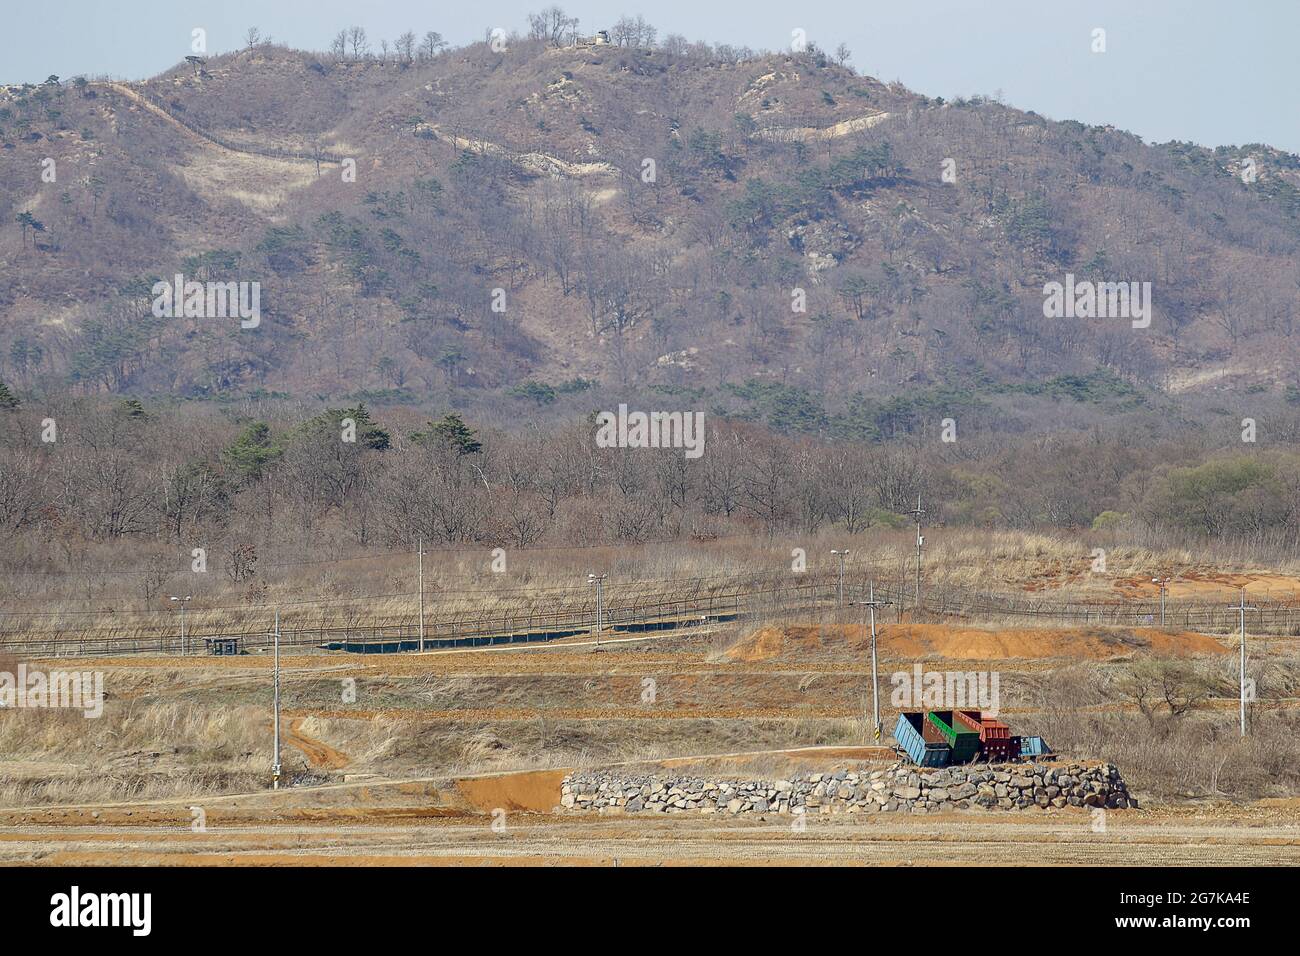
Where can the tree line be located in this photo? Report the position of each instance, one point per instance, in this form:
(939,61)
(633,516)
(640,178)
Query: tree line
(125,471)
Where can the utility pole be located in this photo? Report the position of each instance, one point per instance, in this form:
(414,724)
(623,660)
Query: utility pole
(1163,584)
(841,555)
(871,603)
(1241,608)
(183,601)
(421,560)
(598,580)
(275,765)
(918,513)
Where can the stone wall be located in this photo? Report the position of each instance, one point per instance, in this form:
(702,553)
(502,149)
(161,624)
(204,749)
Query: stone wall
(901,787)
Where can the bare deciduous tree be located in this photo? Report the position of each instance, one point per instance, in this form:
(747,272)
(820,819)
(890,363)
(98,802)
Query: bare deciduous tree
(552,25)
(357,40)
(405,47)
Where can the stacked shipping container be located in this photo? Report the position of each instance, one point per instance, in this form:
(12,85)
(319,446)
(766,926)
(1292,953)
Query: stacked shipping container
(996,742)
(939,737)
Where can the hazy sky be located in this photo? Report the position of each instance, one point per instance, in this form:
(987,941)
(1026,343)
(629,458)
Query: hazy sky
(1212,71)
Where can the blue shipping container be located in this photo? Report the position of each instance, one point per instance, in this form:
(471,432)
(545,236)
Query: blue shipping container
(1034,747)
(922,752)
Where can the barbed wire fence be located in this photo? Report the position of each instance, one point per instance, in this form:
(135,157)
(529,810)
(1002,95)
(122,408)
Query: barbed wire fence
(630,608)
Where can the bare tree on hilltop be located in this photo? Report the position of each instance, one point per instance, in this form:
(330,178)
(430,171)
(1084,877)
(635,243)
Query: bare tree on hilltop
(359,43)
(633,33)
(552,25)
(431,45)
(405,47)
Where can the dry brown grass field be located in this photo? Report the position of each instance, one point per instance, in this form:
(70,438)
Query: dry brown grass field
(328,590)
(411,757)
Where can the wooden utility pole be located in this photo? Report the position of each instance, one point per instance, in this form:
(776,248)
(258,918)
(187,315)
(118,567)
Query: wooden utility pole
(275,764)
(871,603)
(421,573)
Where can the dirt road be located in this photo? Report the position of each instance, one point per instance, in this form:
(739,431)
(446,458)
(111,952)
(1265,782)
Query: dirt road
(506,819)
(318,753)
(540,839)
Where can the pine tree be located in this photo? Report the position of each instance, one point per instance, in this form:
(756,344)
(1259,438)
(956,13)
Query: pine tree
(250,453)
(451,433)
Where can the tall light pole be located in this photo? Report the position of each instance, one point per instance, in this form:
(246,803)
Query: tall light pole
(182,601)
(1241,608)
(841,555)
(1163,584)
(598,580)
(420,548)
(872,604)
(918,513)
(275,763)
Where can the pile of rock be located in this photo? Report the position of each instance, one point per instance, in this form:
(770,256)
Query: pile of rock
(899,788)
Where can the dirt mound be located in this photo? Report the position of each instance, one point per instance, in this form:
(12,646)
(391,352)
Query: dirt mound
(781,643)
(966,643)
(536,790)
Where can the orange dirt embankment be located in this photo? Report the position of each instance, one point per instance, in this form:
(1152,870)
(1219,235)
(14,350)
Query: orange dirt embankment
(538,791)
(1208,585)
(967,643)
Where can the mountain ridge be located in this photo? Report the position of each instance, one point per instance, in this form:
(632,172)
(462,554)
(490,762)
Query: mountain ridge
(774,177)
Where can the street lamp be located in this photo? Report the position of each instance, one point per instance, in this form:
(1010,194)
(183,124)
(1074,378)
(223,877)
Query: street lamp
(872,603)
(598,580)
(182,601)
(918,513)
(841,555)
(420,572)
(1241,607)
(1163,584)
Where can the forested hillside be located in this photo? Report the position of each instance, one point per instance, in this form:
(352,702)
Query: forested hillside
(467,252)
(766,235)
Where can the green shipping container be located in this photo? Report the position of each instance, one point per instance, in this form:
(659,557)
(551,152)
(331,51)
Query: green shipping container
(965,743)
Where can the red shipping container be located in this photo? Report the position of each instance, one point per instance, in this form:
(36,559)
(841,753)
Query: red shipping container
(989,728)
(994,730)
(1002,749)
